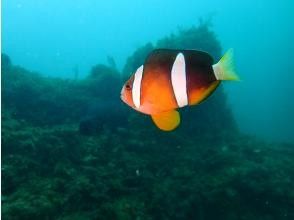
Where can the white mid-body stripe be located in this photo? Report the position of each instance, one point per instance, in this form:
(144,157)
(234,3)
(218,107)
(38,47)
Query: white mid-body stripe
(136,89)
(178,78)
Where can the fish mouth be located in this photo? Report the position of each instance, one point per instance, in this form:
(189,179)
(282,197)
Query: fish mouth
(121,94)
(122,98)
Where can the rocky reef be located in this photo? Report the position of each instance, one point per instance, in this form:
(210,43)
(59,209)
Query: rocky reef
(72,150)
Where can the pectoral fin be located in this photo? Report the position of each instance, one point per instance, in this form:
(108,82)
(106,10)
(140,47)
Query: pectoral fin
(167,121)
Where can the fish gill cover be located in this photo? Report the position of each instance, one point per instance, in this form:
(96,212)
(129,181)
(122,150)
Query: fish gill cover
(72,150)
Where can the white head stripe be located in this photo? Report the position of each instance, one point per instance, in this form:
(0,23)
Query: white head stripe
(178,77)
(136,90)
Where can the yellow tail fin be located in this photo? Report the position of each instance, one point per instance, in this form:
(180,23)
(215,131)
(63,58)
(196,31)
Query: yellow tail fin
(224,69)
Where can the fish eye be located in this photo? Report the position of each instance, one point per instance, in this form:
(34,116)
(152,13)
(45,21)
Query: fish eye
(128,86)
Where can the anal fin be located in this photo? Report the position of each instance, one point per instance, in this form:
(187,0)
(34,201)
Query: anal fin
(167,121)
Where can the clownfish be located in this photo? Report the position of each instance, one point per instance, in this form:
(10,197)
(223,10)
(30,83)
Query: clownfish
(172,79)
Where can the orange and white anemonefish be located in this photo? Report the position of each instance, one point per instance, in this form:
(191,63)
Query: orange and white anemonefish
(171,79)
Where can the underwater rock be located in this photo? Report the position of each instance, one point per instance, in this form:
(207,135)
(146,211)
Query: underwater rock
(105,110)
(48,101)
(101,70)
(104,82)
(136,60)
(110,114)
(72,150)
(5,62)
(199,37)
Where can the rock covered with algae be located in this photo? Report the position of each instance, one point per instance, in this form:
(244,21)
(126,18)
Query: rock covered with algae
(65,157)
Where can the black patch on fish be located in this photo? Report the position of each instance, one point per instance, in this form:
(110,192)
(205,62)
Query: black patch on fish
(191,56)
